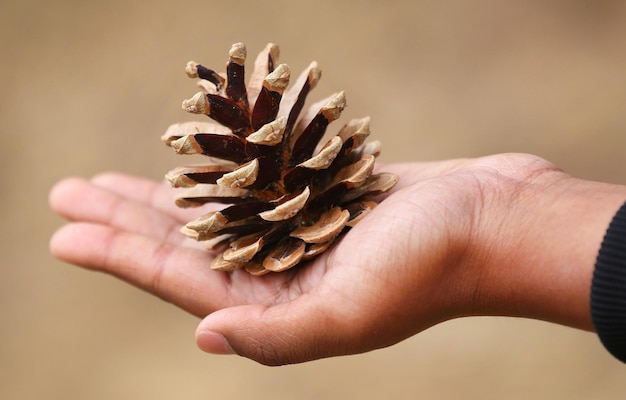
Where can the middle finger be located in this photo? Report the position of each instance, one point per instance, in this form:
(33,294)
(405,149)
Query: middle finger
(80,200)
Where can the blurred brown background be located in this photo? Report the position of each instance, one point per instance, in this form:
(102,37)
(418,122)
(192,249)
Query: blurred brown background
(89,86)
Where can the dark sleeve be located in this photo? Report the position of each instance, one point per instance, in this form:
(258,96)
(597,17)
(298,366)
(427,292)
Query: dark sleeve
(608,288)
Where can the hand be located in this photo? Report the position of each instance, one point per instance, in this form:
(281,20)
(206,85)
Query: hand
(418,259)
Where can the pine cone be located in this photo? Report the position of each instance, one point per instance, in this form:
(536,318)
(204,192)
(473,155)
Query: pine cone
(289,196)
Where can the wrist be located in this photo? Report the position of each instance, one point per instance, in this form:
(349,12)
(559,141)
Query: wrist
(535,244)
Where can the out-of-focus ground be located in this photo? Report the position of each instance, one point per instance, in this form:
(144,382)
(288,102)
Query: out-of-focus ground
(90,86)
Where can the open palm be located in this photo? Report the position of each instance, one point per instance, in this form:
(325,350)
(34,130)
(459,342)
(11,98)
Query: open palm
(391,270)
(129,227)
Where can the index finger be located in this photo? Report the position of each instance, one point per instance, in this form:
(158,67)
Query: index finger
(158,195)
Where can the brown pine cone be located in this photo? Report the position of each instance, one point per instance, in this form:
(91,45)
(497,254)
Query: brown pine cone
(289,196)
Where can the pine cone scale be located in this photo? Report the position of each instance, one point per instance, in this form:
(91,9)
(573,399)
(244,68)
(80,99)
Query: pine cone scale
(286,254)
(305,143)
(328,226)
(225,147)
(263,66)
(268,102)
(294,98)
(235,72)
(245,210)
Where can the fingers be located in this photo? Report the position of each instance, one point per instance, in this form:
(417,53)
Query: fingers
(158,195)
(302,330)
(335,318)
(177,274)
(79,200)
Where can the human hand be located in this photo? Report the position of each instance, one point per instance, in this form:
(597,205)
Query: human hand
(418,259)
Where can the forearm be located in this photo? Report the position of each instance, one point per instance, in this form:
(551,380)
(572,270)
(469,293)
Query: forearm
(539,247)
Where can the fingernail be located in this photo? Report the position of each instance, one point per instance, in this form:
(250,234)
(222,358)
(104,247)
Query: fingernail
(214,343)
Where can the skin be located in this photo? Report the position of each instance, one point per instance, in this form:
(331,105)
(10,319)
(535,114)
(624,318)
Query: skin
(507,235)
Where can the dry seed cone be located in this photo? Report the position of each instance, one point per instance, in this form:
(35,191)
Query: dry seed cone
(287,196)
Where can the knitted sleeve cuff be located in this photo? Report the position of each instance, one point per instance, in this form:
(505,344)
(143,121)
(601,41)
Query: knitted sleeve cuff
(608,288)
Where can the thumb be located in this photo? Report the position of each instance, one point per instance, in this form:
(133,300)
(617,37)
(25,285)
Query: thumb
(286,333)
